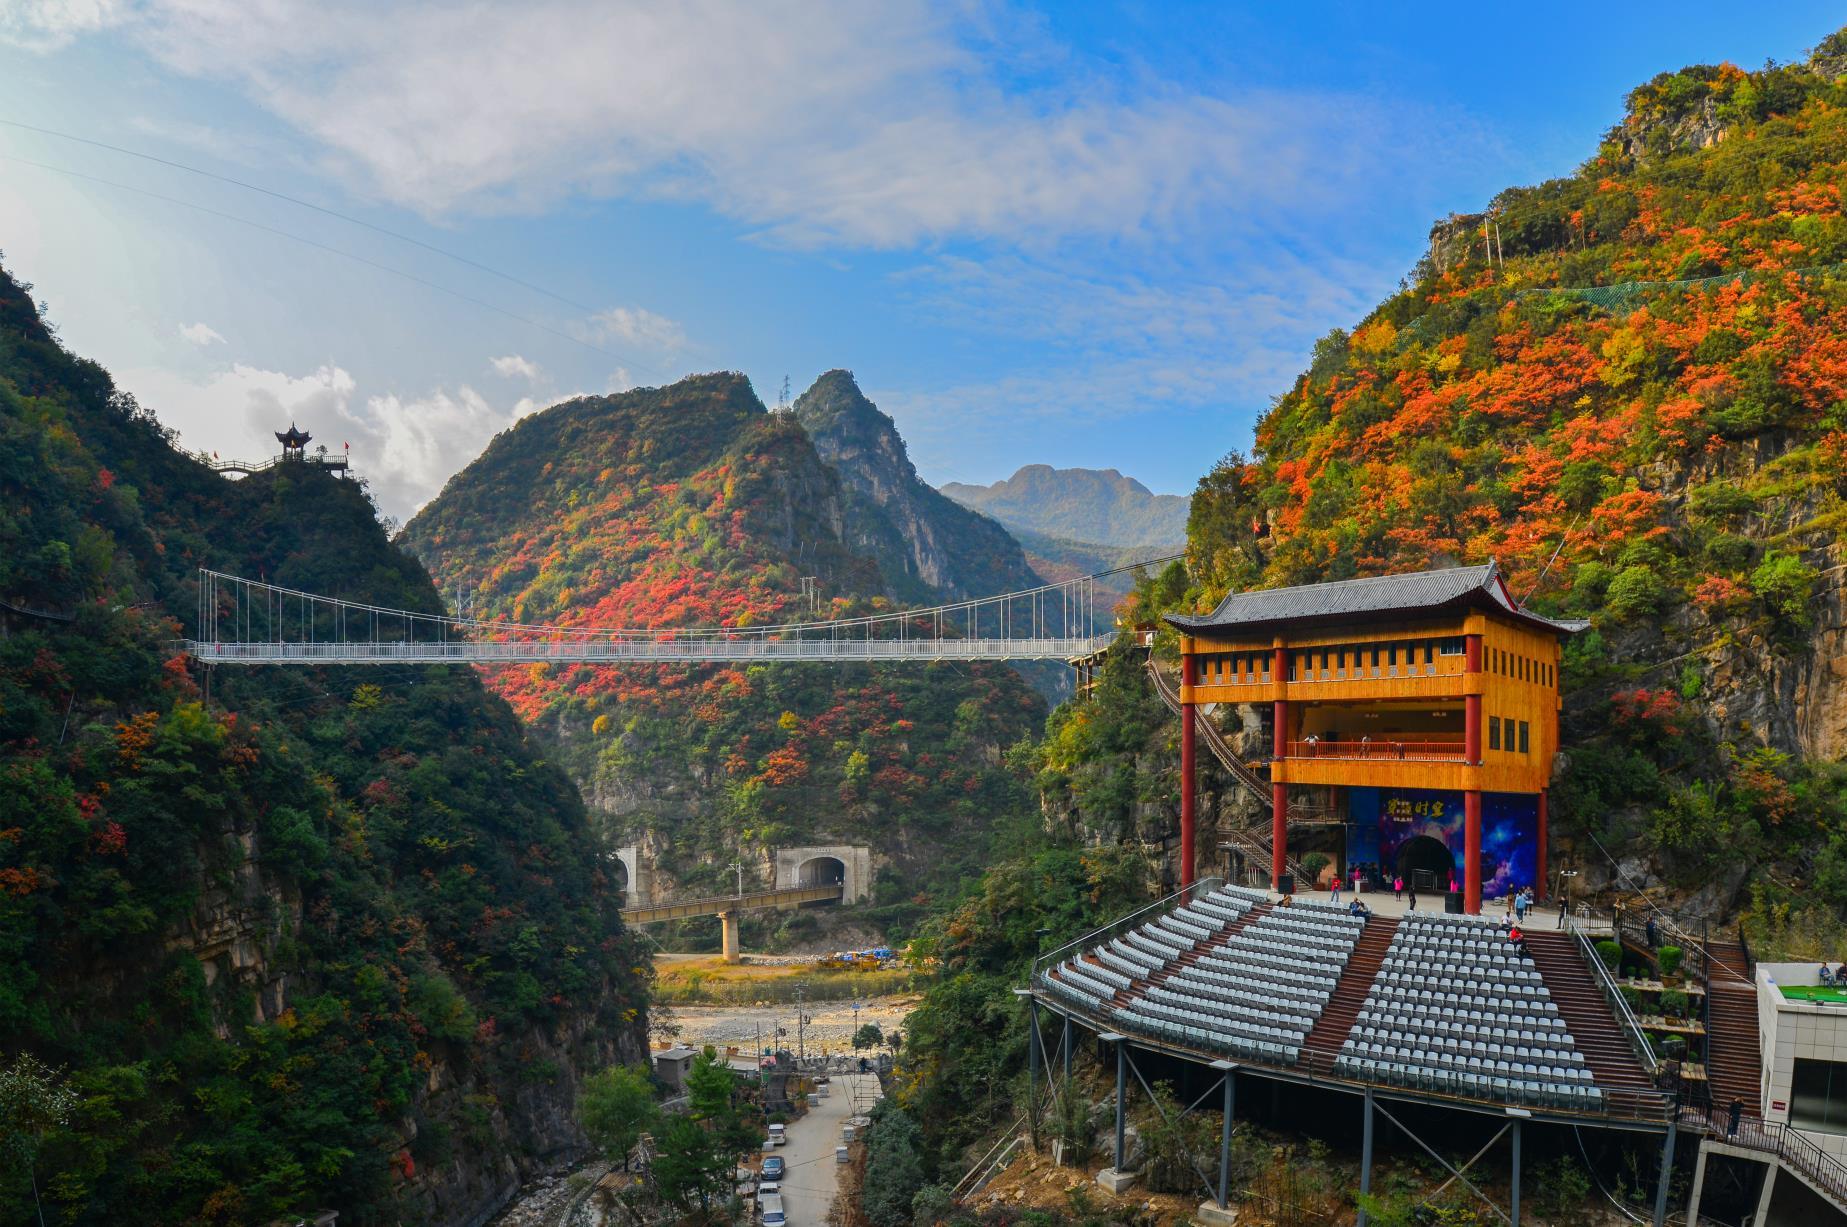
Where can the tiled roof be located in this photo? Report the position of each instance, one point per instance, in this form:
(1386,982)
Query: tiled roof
(1414,592)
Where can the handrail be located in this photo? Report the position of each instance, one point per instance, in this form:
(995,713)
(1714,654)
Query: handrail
(1214,739)
(32,611)
(974,1175)
(1097,936)
(1257,848)
(1625,1018)
(1785,1141)
(1394,751)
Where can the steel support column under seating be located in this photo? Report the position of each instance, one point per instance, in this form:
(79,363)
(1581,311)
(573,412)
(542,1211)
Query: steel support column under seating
(1231,1101)
(1032,1069)
(1667,1170)
(1122,1093)
(1366,1157)
(1067,1048)
(1513,1198)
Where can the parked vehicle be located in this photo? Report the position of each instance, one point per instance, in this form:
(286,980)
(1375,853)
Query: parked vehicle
(774,1167)
(771,1209)
(779,1135)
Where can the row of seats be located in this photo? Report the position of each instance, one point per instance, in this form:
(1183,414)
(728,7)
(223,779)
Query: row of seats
(1474,1083)
(1269,1052)
(1454,1009)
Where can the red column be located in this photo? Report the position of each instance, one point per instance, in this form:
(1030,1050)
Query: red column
(1539,871)
(1471,728)
(1471,653)
(1279,837)
(1279,793)
(1471,852)
(1187,718)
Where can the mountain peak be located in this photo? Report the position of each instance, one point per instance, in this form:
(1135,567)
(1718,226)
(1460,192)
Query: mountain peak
(919,536)
(1095,505)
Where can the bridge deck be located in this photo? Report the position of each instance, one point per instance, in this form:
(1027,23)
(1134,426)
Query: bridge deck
(758,901)
(662,651)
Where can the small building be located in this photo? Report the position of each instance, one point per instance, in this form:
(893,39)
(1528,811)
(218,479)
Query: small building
(1419,710)
(671,1064)
(1803,1025)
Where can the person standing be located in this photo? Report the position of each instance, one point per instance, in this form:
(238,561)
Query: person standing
(1335,885)
(1520,905)
(1356,879)
(1398,887)
(1732,1114)
(1411,904)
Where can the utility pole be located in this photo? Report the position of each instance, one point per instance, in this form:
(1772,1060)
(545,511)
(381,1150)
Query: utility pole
(801,1020)
(739,867)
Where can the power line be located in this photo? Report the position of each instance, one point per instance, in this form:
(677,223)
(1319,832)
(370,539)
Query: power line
(305,204)
(332,250)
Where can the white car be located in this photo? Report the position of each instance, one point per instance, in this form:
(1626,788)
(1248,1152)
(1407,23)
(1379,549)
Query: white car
(771,1210)
(779,1136)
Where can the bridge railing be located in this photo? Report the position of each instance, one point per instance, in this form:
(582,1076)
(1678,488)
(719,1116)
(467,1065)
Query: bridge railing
(245,621)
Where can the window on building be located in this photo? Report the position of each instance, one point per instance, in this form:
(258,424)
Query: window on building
(1375,658)
(1494,732)
(1391,656)
(1525,734)
(1451,646)
(1818,1096)
(1430,653)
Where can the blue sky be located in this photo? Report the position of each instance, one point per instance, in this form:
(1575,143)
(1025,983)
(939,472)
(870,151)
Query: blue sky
(1077,234)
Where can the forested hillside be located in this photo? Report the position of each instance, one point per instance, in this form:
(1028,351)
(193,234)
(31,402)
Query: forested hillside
(326,938)
(693,505)
(1636,374)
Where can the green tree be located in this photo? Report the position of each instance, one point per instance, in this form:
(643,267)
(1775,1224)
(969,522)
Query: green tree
(894,1172)
(868,1036)
(693,1165)
(33,1101)
(616,1106)
(1783,584)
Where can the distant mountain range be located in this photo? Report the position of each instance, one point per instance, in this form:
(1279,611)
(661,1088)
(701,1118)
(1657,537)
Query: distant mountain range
(1079,505)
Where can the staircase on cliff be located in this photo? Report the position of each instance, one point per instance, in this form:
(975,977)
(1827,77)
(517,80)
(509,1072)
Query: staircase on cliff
(1593,1026)
(1734,1069)
(1330,1030)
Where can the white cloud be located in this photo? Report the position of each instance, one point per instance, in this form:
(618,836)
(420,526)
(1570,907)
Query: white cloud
(407,446)
(635,326)
(46,25)
(201,334)
(513,365)
(832,121)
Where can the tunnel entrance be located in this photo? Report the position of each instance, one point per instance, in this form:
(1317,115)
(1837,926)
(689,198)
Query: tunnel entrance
(822,871)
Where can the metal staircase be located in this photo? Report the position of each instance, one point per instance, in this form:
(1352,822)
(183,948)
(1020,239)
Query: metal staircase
(1215,741)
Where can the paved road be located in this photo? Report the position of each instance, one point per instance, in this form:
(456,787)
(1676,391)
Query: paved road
(808,1189)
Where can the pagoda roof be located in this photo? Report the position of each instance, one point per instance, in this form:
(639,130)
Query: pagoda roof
(1377,598)
(292,437)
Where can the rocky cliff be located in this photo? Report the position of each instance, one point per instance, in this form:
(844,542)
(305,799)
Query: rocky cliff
(929,547)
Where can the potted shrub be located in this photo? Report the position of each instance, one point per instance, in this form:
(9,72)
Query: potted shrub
(1632,997)
(1611,953)
(1673,1003)
(1313,863)
(1668,960)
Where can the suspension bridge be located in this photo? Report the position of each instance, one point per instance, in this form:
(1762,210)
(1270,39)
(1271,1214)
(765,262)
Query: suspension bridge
(242,621)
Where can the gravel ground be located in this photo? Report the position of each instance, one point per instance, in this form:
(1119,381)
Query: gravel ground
(829,1028)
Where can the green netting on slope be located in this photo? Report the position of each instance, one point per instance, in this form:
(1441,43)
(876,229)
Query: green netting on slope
(1626,294)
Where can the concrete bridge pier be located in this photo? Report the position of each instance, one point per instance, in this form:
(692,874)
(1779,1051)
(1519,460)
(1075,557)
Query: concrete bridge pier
(728,942)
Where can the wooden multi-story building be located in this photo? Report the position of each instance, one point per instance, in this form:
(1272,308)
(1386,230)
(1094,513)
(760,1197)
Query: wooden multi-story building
(1423,708)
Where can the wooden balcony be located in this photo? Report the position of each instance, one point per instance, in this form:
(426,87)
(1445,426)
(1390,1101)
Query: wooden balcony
(1380,750)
